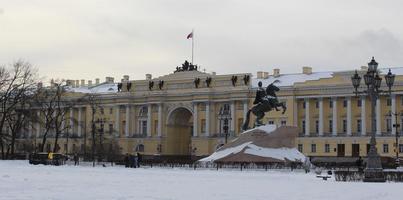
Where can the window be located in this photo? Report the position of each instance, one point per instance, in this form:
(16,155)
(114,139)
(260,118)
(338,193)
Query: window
(304,104)
(111,111)
(331,104)
(313,148)
(303,126)
(300,148)
(317,126)
(110,129)
(330,126)
(344,125)
(317,104)
(400,148)
(359,103)
(271,122)
(102,110)
(385,148)
(388,125)
(143,127)
(283,122)
(140,148)
(388,102)
(327,148)
(203,125)
(344,103)
(358,125)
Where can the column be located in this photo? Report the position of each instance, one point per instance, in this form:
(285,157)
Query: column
(321,117)
(349,116)
(307,122)
(334,116)
(393,111)
(363,117)
(207,118)
(149,113)
(195,119)
(72,120)
(160,120)
(117,120)
(127,124)
(245,110)
(79,125)
(378,117)
(233,119)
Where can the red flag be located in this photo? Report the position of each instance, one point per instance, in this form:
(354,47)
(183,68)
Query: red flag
(190,35)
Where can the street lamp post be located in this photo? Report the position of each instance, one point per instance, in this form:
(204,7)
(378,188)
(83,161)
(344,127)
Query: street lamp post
(373,171)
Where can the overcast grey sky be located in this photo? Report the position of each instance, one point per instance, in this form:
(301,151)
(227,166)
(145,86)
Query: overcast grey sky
(97,38)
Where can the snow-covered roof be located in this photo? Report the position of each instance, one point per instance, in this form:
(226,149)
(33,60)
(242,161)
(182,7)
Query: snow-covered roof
(101,88)
(291,79)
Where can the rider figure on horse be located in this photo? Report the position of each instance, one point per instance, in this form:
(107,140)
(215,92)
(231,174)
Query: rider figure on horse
(265,101)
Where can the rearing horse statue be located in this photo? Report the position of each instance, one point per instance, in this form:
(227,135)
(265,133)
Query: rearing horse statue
(265,101)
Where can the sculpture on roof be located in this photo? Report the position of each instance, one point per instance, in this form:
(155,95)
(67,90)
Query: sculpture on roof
(119,87)
(186,66)
(265,101)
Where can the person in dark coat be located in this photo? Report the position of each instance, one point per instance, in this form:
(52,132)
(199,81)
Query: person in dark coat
(127,160)
(139,159)
(76,159)
(359,164)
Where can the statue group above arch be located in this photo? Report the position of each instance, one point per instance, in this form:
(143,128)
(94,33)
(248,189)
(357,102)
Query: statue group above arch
(186,66)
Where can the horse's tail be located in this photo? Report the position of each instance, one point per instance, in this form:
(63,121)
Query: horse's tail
(246,123)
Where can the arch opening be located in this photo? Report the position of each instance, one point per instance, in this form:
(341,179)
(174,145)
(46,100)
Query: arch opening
(179,132)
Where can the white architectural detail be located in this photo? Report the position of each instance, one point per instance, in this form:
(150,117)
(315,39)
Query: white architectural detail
(79,128)
(334,116)
(117,120)
(159,120)
(320,116)
(307,123)
(393,111)
(378,116)
(207,118)
(232,107)
(349,116)
(149,113)
(195,119)
(245,110)
(127,121)
(363,116)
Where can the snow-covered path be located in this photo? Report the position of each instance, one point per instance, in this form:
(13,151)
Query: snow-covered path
(19,180)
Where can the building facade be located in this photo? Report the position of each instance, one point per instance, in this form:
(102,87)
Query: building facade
(189,112)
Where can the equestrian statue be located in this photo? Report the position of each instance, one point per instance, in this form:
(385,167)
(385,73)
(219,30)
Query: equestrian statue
(265,101)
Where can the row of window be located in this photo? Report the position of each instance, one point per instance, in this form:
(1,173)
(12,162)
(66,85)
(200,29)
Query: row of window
(358,103)
(389,125)
(385,148)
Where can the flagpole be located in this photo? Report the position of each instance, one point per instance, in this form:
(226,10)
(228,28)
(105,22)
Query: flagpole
(193,36)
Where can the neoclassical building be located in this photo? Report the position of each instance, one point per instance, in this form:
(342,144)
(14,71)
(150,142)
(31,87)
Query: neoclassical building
(190,112)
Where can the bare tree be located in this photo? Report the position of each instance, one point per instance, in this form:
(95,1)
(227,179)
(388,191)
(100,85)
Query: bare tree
(17,83)
(53,105)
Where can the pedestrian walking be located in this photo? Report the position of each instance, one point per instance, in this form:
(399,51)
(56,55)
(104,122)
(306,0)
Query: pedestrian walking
(76,160)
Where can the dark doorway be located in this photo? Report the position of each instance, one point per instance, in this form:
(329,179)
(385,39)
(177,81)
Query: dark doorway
(355,150)
(341,150)
(368,147)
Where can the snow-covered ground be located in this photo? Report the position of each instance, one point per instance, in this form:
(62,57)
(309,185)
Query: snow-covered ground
(19,180)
